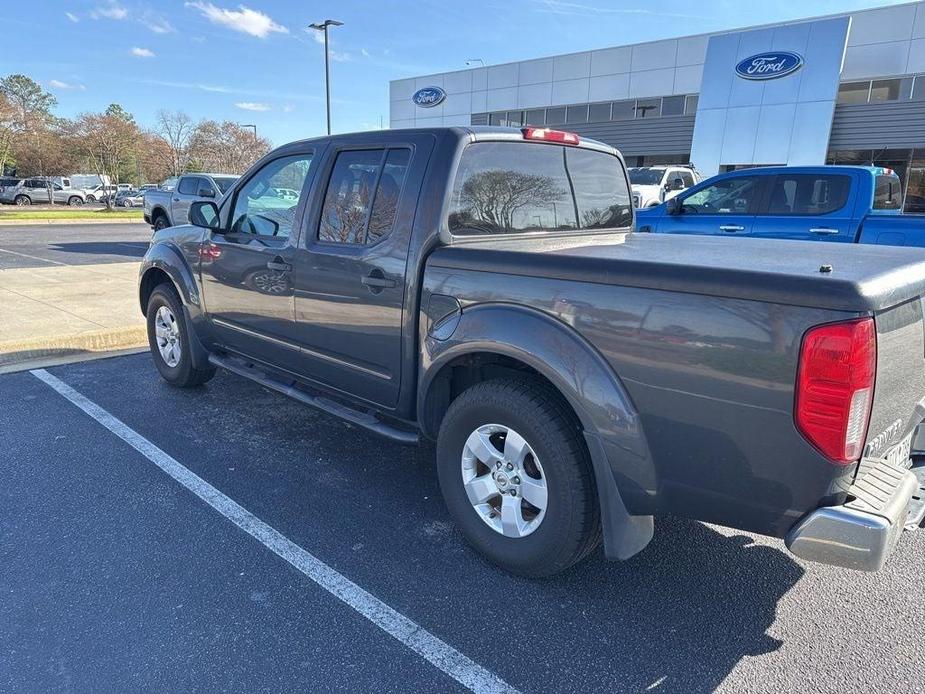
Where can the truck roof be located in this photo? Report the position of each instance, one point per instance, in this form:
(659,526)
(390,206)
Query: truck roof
(473,133)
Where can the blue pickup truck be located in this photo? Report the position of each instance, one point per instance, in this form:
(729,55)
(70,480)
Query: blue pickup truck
(851,204)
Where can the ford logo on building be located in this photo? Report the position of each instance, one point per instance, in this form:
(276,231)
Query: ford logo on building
(769,66)
(428,97)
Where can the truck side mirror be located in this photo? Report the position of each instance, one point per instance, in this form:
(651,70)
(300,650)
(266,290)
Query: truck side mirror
(206,193)
(677,184)
(674,206)
(204,213)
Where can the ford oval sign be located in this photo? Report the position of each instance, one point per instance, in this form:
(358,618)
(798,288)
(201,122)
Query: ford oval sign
(769,66)
(428,97)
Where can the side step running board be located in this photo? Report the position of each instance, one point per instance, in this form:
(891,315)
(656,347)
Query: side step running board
(361,419)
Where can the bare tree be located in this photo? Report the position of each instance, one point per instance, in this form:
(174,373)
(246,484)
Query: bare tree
(9,127)
(225,147)
(494,196)
(176,128)
(108,140)
(32,118)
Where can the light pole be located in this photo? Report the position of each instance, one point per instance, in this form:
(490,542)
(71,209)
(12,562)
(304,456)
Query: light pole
(323,26)
(250,125)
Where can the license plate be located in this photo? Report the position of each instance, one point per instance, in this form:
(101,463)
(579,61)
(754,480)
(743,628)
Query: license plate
(898,455)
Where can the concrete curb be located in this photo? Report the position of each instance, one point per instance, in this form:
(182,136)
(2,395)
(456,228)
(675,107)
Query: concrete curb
(14,353)
(40,222)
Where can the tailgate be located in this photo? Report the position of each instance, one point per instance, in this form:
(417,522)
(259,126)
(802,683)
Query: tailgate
(900,385)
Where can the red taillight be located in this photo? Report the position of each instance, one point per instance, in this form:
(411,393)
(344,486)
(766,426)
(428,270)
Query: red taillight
(835,387)
(547,135)
(209,251)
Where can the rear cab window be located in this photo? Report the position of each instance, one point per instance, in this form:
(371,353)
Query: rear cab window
(888,192)
(521,187)
(808,194)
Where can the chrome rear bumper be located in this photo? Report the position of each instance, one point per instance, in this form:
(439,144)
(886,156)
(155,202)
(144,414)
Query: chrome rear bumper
(861,533)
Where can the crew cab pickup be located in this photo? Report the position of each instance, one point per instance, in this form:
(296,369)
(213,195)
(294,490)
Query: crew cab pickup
(847,204)
(482,287)
(167,207)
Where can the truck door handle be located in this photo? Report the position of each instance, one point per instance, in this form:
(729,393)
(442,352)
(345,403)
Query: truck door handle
(279,265)
(176,199)
(731,227)
(376,281)
(823,230)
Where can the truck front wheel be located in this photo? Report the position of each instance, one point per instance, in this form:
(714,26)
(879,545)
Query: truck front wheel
(516,477)
(160,221)
(169,341)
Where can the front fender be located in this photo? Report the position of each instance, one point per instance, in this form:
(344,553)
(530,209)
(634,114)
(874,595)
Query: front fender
(170,260)
(579,372)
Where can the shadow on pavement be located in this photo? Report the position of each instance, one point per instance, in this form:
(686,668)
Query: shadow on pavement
(134,249)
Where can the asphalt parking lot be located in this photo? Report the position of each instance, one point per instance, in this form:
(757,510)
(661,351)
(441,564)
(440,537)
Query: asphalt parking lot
(115,577)
(71,244)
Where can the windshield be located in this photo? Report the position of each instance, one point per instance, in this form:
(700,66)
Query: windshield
(646,176)
(224,183)
(510,187)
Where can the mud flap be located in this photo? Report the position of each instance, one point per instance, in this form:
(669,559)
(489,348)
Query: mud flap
(624,534)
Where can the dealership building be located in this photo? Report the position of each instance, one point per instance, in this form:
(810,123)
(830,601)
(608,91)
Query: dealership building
(846,88)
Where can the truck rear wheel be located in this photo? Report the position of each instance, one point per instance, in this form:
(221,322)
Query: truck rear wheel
(516,477)
(160,221)
(23,200)
(169,341)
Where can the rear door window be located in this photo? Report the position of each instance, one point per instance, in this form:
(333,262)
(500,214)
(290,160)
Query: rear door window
(511,187)
(888,193)
(808,194)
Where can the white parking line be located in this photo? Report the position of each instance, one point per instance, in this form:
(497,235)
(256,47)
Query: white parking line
(34,257)
(437,652)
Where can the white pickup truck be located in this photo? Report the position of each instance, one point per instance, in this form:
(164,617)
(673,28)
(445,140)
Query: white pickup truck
(653,185)
(169,207)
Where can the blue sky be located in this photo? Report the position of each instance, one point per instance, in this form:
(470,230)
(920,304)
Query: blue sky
(255,62)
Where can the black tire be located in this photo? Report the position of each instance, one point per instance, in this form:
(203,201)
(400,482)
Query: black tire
(570,530)
(160,221)
(23,200)
(183,374)
(91,198)
(75,201)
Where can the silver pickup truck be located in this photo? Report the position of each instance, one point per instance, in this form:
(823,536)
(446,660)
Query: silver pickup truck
(167,208)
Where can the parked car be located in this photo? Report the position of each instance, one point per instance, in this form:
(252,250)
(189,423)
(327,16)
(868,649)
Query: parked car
(99,193)
(847,204)
(481,287)
(168,207)
(130,198)
(35,191)
(652,185)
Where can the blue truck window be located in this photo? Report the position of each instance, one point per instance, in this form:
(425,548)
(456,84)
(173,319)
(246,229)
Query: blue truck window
(809,194)
(888,192)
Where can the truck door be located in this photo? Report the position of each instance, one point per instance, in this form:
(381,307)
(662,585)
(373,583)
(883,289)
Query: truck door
(182,197)
(350,271)
(810,207)
(247,270)
(725,207)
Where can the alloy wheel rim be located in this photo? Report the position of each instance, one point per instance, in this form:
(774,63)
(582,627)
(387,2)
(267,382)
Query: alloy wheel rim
(167,336)
(504,480)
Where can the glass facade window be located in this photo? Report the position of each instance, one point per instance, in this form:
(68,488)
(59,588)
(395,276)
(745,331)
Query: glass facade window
(599,113)
(576,114)
(623,110)
(673,106)
(497,118)
(853,92)
(648,108)
(885,90)
(690,104)
(555,116)
(515,118)
(536,117)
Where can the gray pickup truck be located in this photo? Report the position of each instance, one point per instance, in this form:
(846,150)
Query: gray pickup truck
(167,207)
(482,287)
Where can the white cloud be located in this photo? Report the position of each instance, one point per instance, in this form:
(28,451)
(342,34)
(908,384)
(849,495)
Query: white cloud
(336,56)
(142,52)
(73,17)
(288,108)
(365,53)
(58,84)
(156,23)
(110,11)
(244,19)
(252,106)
